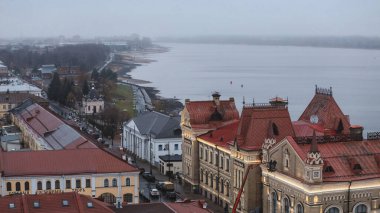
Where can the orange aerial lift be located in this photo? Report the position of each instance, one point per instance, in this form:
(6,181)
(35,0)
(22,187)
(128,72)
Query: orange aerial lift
(242,187)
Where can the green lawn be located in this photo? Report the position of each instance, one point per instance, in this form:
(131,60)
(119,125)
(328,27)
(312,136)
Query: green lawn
(123,96)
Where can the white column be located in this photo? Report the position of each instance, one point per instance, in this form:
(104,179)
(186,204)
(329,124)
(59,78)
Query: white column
(93,185)
(73,183)
(44,184)
(62,183)
(83,183)
(34,185)
(136,194)
(3,186)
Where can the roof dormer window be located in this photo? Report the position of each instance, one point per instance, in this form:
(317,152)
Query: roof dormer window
(329,169)
(275,129)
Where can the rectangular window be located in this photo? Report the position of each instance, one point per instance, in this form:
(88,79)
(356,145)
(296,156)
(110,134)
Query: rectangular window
(68,184)
(227,165)
(210,156)
(78,183)
(4,106)
(206,155)
(221,162)
(216,160)
(175,146)
(201,153)
(88,183)
(159,147)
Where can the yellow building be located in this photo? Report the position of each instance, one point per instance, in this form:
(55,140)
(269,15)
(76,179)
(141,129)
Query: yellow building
(92,172)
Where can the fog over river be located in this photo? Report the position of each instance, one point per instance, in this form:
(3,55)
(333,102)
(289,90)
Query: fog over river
(194,71)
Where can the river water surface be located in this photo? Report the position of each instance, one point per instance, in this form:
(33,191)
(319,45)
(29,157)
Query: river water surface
(194,71)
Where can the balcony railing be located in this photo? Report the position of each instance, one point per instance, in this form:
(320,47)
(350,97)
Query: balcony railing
(329,138)
(373,136)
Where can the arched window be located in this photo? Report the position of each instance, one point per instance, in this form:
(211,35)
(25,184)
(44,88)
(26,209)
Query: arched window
(227,188)
(128,198)
(18,186)
(57,184)
(299,208)
(39,185)
(26,186)
(106,183)
(286,205)
(274,202)
(127,181)
(114,182)
(361,209)
(333,210)
(9,186)
(222,186)
(48,185)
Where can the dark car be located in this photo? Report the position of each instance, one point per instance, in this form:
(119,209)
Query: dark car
(149,177)
(159,185)
(142,170)
(171,195)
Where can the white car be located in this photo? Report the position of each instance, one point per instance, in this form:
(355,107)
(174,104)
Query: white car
(154,192)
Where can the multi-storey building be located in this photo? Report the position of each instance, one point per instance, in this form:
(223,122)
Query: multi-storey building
(43,130)
(332,171)
(91,172)
(9,101)
(151,135)
(197,118)
(227,152)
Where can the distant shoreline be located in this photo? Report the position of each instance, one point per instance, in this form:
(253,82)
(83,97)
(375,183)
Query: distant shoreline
(130,60)
(349,42)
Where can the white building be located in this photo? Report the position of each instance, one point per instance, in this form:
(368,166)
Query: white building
(93,102)
(16,85)
(151,135)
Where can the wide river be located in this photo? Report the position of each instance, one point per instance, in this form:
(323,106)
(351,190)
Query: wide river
(259,73)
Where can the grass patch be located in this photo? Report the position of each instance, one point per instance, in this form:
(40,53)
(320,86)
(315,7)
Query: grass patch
(123,97)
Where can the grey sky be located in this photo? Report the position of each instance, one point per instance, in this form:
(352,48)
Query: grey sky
(89,18)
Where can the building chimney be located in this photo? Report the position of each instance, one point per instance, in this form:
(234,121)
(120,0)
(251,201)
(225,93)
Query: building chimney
(215,97)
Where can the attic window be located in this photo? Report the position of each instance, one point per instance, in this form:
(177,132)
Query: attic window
(36,204)
(90,204)
(329,169)
(340,126)
(275,129)
(12,205)
(357,167)
(216,116)
(65,203)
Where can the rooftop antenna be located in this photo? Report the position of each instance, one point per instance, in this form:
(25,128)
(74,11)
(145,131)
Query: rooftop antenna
(243,100)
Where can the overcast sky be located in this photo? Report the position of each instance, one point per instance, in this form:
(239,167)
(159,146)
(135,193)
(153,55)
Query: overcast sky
(90,18)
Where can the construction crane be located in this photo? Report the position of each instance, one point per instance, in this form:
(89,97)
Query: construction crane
(242,186)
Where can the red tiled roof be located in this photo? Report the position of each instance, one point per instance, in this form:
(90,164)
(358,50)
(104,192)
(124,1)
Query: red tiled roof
(328,112)
(200,112)
(56,133)
(77,203)
(192,206)
(302,129)
(61,162)
(256,122)
(342,155)
(223,136)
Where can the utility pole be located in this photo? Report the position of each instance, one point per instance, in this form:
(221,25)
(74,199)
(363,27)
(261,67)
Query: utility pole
(150,157)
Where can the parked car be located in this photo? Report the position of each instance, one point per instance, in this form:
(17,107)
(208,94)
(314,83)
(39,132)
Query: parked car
(171,195)
(149,177)
(159,185)
(142,170)
(154,193)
